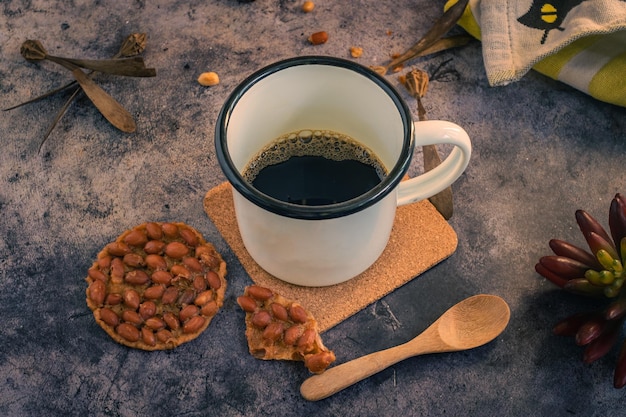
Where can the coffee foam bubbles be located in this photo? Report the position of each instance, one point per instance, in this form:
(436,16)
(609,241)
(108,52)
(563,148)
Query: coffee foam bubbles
(325,143)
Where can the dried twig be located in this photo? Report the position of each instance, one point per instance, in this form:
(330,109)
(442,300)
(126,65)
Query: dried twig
(417,84)
(432,37)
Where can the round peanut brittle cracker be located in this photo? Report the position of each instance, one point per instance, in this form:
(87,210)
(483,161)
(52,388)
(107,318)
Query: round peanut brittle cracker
(279,328)
(158,285)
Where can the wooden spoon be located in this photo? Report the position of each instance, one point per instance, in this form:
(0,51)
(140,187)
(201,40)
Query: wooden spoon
(470,323)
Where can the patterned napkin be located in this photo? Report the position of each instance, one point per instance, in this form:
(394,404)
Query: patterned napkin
(579,42)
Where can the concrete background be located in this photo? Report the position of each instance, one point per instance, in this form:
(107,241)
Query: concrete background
(541,151)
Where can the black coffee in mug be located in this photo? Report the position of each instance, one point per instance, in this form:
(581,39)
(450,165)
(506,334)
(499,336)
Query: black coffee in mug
(314,168)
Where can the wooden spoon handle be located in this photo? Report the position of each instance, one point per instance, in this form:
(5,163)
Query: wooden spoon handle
(342,376)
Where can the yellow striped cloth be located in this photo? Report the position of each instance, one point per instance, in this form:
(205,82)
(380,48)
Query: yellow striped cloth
(579,42)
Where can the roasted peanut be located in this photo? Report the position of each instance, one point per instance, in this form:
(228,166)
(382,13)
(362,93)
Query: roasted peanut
(153,230)
(161,277)
(136,277)
(189,236)
(193,264)
(176,250)
(104,262)
(131,299)
(209,79)
(109,317)
(154,292)
(155,323)
(180,271)
(273,331)
(131,316)
(154,246)
(199,283)
(209,309)
(136,238)
(133,260)
(318,38)
(147,309)
(95,273)
(148,337)
(187,296)
(308,6)
(171,320)
(297,313)
(118,248)
(260,293)
(97,292)
(319,362)
(187,312)
(117,270)
(214,280)
(170,295)
(306,341)
(261,319)
(208,256)
(203,250)
(114,299)
(292,334)
(170,230)
(194,324)
(356,51)
(203,298)
(164,335)
(279,311)
(128,332)
(247,303)
(155,261)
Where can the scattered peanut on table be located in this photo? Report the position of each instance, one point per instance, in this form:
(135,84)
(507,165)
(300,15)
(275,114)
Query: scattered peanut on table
(308,6)
(209,79)
(318,38)
(356,51)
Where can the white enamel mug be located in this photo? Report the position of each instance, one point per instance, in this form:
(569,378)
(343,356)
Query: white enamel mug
(328,244)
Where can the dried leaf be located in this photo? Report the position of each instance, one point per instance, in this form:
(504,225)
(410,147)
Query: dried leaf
(439,28)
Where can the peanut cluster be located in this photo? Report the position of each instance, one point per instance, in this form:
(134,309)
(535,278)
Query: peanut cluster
(157,286)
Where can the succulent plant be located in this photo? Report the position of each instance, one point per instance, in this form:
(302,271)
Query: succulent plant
(599,273)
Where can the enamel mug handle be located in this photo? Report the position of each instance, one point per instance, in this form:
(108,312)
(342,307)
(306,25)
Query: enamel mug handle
(432,132)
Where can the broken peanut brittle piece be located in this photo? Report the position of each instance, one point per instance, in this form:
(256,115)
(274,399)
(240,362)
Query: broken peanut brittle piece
(278,328)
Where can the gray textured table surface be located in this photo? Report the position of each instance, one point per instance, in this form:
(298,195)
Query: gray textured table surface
(541,150)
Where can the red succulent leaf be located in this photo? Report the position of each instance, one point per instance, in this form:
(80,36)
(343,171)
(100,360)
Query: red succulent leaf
(550,276)
(619,377)
(563,248)
(617,219)
(597,242)
(570,325)
(590,331)
(563,266)
(588,224)
(604,343)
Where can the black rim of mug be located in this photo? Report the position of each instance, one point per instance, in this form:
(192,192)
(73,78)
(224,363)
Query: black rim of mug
(329,211)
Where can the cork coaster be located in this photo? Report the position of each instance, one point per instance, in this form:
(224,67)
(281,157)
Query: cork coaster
(420,239)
